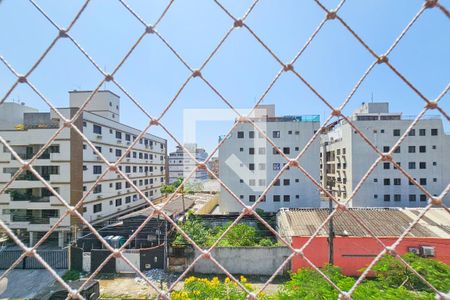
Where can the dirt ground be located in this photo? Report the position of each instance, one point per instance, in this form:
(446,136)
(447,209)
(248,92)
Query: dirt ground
(127,287)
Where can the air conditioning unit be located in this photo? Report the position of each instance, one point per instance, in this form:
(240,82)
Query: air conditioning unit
(128,160)
(99,136)
(427,251)
(119,193)
(119,141)
(99,158)
(128,143)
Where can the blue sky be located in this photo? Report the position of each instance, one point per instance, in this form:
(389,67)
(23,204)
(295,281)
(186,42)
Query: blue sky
(241,70)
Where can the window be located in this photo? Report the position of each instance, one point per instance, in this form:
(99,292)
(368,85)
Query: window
(277,182)
(297,180)
(410,182)
(411,149)
(434,163)
(375,196)
(286,181)
(97,129)
(251,198)
(127,137)
(423,197)
(261,150)
(275,151)
(434,131)
(297,148)
(97,169)
(290,132)
(241,180)
(286,150)
(422,149)
(397,150)
(118,135)
(411,165)
(421,133)
(423,181)
(127,169)
(286,198)
(262,182)
(412,132)
(387,198)
(276,198)
(118,185)
(251,167)
(97,207)
(261,166)
(119,202)
(386,149)
(375,180)
(397,181)
(251,151)
(241,149)
(240,134)
(397,197)
(97,189)
(386,166)
(382,130)
(297,132)
(241,196)
(387,181)
(276,166)
(251,134)
(84,168)
(422,165)
(396,132)
(433,147)
(276,134)
(434,179)
(127,199)
(251,182)
(118,152)
(412,197)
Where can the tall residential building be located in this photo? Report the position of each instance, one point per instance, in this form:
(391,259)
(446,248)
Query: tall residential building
(248,163)
(71,166)
(181,163)
(346,157)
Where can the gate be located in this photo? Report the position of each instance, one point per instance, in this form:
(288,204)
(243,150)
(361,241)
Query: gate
(98,256)
(57,259)
(152,258)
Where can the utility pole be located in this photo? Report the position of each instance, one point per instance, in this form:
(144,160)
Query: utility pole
(330,234)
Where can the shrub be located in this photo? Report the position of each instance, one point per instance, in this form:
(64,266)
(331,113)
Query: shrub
(202,288)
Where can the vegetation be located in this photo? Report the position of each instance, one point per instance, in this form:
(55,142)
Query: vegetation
(71,275)
(392,281)
(241,235)
(203,288)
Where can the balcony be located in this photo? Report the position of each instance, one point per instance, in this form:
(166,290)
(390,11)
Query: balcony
(28,176)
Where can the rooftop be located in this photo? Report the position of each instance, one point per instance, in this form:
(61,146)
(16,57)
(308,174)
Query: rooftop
(383,222)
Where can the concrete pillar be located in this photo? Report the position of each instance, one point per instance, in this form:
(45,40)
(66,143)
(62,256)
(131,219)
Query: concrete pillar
(61,239)
(32,238)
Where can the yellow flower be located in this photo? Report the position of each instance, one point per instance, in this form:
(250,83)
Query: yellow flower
(243,279)
(227,280)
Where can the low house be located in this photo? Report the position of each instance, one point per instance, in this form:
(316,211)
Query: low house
(353,246)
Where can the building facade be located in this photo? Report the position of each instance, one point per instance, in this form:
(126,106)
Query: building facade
(248,163)
(181,163)
(353,247)
(346,157)
(72,167)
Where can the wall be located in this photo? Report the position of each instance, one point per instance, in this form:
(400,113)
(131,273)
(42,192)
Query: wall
(354,253)
(244,260)
(123,267)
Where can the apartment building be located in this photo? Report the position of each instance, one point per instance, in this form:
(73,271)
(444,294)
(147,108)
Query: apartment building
(248,163)
(181,163)
(346,157)
(72,167)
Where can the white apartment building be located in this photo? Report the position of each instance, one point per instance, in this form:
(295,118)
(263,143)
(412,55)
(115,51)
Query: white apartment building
(346,157)
(181,163)
(71,166)
(248,163)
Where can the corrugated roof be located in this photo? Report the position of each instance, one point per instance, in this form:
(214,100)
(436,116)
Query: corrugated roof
(381,221)
(175,206)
